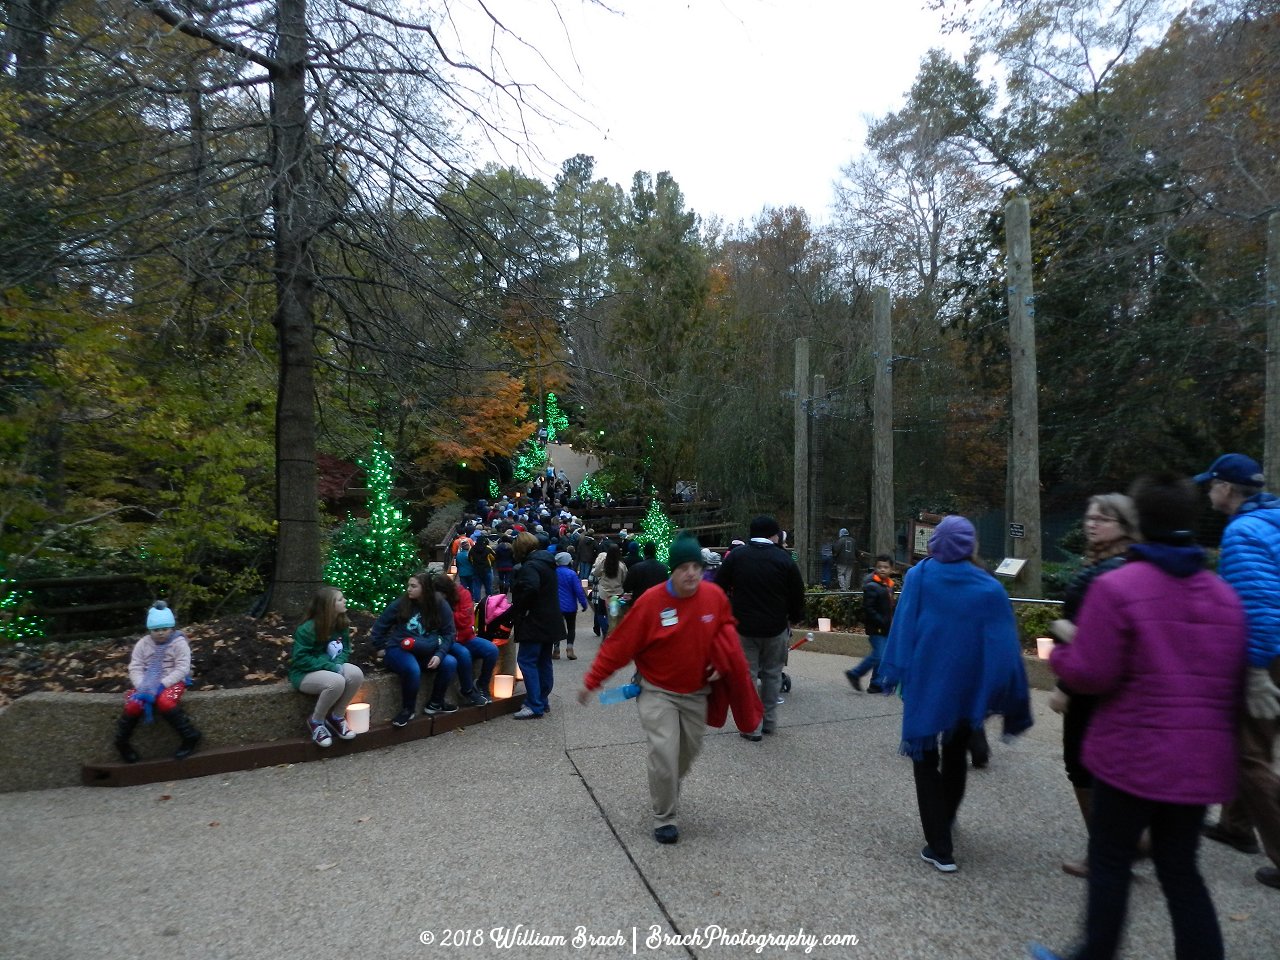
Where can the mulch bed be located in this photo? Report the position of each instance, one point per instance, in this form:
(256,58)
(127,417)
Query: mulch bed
(235,651)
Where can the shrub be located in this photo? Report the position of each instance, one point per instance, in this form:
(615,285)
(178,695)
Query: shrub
(844,610)
(1033,621)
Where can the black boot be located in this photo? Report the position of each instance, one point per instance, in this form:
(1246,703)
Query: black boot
(186,730)
(124,730)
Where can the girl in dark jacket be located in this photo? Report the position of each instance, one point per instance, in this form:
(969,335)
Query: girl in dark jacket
(535,597)
(415,633)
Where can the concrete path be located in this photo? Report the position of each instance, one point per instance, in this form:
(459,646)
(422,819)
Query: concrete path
(574,464)
(540,829)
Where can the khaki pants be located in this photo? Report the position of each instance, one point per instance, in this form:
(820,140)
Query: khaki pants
(1257,802)
(334,691)
(674,723)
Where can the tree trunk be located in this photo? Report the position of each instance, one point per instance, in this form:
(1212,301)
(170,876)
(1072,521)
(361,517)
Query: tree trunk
(297,562)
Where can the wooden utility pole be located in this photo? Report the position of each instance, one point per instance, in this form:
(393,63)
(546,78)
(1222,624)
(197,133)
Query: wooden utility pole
(800,471)
(1271,439)
(881,425)
(1023,512)
(809,566)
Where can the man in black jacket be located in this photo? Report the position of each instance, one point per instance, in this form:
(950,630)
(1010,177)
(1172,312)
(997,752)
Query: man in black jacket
(767,592)
(649,572)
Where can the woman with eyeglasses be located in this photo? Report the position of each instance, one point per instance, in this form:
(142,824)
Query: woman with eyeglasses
(1110,529)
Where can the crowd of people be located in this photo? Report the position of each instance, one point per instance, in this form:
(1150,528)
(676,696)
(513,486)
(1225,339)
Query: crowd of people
(1166,671)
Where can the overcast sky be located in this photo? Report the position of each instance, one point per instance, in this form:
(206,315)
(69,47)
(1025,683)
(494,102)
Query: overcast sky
(747,103)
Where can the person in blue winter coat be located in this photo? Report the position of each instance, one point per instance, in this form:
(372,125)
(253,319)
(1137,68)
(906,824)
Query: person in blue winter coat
(415,633)
(572,599)
(1250,562)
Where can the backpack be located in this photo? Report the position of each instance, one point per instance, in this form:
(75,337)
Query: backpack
(493,617)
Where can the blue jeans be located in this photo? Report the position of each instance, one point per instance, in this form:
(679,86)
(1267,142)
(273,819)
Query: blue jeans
(467,653)
(584,571)
(1118,820)
(477,585)
(872,660)
(409,664)
(535,663)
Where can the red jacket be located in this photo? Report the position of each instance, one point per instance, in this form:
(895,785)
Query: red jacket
(674,641)
(736,688)
(464,615)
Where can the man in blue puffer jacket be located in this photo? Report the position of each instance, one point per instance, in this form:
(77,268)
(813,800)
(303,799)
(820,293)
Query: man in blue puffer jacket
(1250,562)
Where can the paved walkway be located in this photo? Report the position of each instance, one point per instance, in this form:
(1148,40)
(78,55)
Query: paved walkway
(575,465)
(540,829)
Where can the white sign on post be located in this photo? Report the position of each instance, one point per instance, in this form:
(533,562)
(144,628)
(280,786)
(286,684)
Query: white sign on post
(1010,567)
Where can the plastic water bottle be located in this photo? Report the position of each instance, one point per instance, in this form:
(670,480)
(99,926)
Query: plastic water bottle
(618,694)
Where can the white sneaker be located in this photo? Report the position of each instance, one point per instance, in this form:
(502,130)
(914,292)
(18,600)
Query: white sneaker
(339,727)
(320,733)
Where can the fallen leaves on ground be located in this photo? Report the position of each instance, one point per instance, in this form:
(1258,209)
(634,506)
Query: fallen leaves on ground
(234,651)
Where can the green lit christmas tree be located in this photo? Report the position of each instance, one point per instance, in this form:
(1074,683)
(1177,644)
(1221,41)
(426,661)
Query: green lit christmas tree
(657,528)
(15,624)
(530,461)
(369,560)
(590,491)
(557,422)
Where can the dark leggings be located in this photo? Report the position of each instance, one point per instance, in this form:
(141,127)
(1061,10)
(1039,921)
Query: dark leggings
(1074,723)
(940,779)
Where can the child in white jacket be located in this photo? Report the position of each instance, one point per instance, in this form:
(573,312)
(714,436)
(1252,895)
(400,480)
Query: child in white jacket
(159,670)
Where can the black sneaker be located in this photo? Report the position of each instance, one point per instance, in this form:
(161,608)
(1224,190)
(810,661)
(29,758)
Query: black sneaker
(127,753)
(443,707)
(853,679)
(402,718)
(668,833)
(943,864)
(476,698)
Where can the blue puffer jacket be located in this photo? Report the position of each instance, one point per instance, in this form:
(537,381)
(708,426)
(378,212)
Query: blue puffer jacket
(1250,562)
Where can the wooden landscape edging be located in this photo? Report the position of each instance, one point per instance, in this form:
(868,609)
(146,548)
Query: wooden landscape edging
(253,756)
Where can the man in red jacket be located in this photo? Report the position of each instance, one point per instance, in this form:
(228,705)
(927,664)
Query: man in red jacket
(676,633)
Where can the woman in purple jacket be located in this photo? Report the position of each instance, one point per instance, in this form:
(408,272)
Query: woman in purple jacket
(1161,643)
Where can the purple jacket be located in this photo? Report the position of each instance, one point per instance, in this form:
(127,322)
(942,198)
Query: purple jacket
(1166,654)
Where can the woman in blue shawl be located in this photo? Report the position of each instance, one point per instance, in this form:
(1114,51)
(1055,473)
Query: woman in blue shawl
(954,655)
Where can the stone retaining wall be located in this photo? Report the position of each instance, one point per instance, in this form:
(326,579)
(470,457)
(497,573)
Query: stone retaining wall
(45,738)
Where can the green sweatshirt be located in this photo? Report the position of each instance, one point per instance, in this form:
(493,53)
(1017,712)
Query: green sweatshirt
(310,654)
